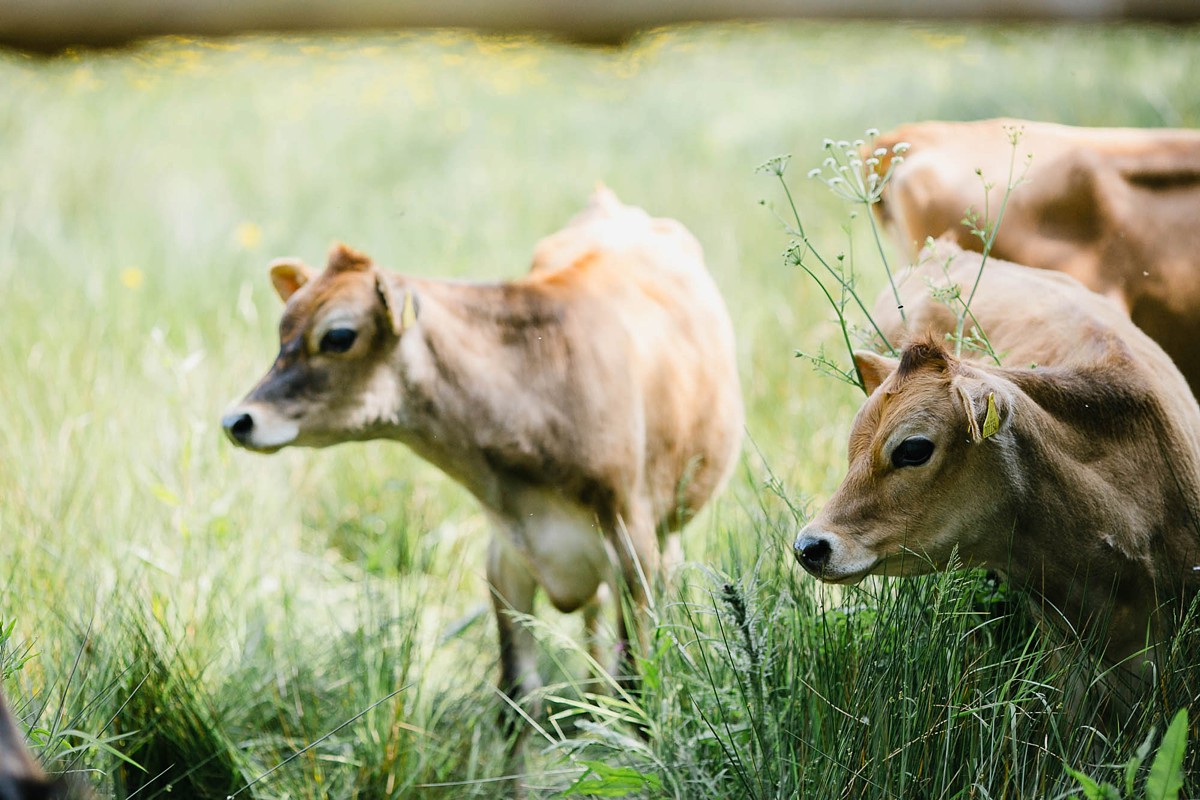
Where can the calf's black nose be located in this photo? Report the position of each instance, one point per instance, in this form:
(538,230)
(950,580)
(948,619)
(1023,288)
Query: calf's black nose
(238,426)
(812,553)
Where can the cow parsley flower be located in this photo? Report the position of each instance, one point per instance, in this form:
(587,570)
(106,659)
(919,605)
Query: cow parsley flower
(775,166)
(857,171)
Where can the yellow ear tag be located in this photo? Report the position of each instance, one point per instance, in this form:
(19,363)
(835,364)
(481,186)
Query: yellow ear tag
(991,422)
(408,315)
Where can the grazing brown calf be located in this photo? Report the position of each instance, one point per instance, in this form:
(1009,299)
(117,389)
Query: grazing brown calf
(1118,209)
(592,407)
(20,776)
(1078,479)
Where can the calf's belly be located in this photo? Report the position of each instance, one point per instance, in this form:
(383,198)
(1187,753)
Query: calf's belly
(563,548)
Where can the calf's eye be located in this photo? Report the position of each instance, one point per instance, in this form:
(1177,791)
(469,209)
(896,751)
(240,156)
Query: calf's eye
(912,452)
(338,340)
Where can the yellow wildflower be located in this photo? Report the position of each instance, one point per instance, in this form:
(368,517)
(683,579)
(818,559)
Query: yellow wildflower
(132,278)
(248,235)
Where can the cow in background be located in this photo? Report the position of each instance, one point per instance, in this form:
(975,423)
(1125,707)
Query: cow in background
(1116,208)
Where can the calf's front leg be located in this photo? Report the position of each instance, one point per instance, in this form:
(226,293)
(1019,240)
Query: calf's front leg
(513,588)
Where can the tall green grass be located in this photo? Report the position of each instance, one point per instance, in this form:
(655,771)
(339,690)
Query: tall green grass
(932,687)
(185,619)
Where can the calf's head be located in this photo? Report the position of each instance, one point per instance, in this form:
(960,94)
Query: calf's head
(926,470)
(333,379)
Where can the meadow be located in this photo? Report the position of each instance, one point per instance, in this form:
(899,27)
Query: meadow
(180,618)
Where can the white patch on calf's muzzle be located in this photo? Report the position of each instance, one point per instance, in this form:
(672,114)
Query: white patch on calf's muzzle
(278,434)
(268,430)
(825,555)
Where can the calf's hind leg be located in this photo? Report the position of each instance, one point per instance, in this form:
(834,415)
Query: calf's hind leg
(638,562)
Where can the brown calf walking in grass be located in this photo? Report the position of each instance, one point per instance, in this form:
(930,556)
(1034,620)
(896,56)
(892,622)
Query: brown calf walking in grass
(592,406)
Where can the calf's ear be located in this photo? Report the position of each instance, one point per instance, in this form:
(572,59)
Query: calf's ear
(288,275)
(873,369)
(343,258)
(987,408)
(402,311)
